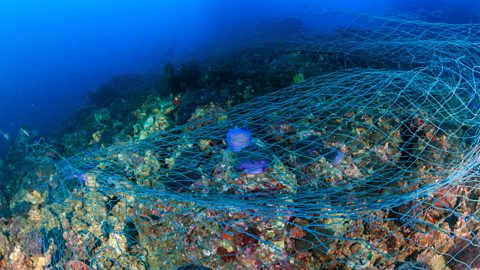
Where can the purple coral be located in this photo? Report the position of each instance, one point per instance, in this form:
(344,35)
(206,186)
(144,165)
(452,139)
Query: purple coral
(252,166)
(81,178)
(249,158)
(252,160)
(238,139)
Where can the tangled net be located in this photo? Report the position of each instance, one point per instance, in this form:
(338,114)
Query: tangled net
(372,167)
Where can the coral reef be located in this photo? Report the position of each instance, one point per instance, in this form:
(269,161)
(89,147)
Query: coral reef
(353,169)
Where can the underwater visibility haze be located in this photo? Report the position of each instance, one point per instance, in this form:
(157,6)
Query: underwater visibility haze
(248,134)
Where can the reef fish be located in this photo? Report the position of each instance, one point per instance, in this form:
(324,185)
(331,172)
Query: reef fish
(333,155)
(4,135)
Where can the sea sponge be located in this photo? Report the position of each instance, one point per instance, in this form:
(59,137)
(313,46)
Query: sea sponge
(238,139)
(251,160)
(252,166)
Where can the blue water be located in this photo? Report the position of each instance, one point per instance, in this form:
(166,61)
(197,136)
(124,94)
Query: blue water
(54,52)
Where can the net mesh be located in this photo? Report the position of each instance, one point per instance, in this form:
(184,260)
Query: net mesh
(372,166)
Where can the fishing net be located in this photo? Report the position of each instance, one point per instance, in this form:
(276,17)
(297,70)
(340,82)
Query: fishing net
(360,168)
(391,42)
(386,42)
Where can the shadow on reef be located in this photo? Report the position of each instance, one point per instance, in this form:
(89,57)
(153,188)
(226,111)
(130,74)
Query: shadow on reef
(125,86)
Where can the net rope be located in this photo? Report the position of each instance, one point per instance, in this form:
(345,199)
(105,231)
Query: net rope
(372,166)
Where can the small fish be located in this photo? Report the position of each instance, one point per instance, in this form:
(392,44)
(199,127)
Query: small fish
(24,132)
(333,155)
(5,135)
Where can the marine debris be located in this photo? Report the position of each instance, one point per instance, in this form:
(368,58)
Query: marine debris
(369,160)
